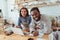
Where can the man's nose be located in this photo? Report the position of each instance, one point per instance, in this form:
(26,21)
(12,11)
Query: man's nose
(34,16)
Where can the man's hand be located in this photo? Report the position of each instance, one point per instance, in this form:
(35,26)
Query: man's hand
(36,28)
(35,33)
(27,30)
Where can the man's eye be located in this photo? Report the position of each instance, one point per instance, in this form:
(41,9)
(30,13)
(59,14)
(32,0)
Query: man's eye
(32,15)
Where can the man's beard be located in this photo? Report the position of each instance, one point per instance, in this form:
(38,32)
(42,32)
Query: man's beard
(37,18)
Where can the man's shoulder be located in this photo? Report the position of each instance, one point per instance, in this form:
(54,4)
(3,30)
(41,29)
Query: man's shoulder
(44,15)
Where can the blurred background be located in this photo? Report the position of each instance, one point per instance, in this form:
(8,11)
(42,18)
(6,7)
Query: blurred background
(9,9)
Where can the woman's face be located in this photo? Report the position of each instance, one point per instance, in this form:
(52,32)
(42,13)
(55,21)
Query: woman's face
(23,12)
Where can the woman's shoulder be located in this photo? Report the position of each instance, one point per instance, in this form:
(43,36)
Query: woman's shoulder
(29,16)
(19,17)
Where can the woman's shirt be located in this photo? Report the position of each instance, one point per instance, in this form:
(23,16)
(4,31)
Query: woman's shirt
(24,21)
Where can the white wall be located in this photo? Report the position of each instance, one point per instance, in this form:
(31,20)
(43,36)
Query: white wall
(3,6)
(13,15)
(51,10)
(7,6)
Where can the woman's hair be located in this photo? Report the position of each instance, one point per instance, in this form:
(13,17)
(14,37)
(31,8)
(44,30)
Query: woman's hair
(26,11)
(35,8)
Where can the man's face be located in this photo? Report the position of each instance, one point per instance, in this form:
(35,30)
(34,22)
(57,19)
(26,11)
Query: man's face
(35,14)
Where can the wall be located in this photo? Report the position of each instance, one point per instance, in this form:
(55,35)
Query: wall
(3,6)
(51,10)
(14,14)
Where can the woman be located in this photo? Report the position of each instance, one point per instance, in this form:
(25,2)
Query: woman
(24,19)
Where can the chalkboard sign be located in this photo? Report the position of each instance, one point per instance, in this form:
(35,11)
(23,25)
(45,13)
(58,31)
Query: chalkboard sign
(0,10)
(1,15)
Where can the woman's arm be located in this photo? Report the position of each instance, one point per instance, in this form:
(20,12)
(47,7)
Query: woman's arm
(29,19)
(19,23)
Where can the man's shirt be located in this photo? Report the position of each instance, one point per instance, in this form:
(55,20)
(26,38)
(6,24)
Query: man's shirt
(44,23)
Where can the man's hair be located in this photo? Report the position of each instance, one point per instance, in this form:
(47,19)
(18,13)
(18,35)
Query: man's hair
(26,11)
(35,8)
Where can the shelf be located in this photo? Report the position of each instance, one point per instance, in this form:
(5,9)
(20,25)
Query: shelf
(1,22)
(39,3)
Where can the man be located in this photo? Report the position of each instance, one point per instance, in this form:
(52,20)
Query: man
(40,24)
(56,29)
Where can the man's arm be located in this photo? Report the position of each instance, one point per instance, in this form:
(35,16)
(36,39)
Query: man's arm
(47,21)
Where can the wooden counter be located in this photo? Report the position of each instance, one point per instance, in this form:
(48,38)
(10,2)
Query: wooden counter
(56,28)
(18,37)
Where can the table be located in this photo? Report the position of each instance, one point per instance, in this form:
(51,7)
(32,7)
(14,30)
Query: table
(1,22)
(56,28)
(18,37)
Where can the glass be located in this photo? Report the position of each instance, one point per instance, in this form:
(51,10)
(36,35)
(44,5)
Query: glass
(41,26)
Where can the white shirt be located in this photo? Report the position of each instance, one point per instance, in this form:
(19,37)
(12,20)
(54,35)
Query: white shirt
(44,24)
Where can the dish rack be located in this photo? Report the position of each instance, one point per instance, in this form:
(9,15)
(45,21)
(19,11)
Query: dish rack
(1,24)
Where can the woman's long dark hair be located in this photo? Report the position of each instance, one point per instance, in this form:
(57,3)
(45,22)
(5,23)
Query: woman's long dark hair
(25,9)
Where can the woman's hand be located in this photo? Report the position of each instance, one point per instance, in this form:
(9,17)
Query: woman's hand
(18,27)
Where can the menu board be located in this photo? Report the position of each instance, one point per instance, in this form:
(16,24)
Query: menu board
(1,15)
